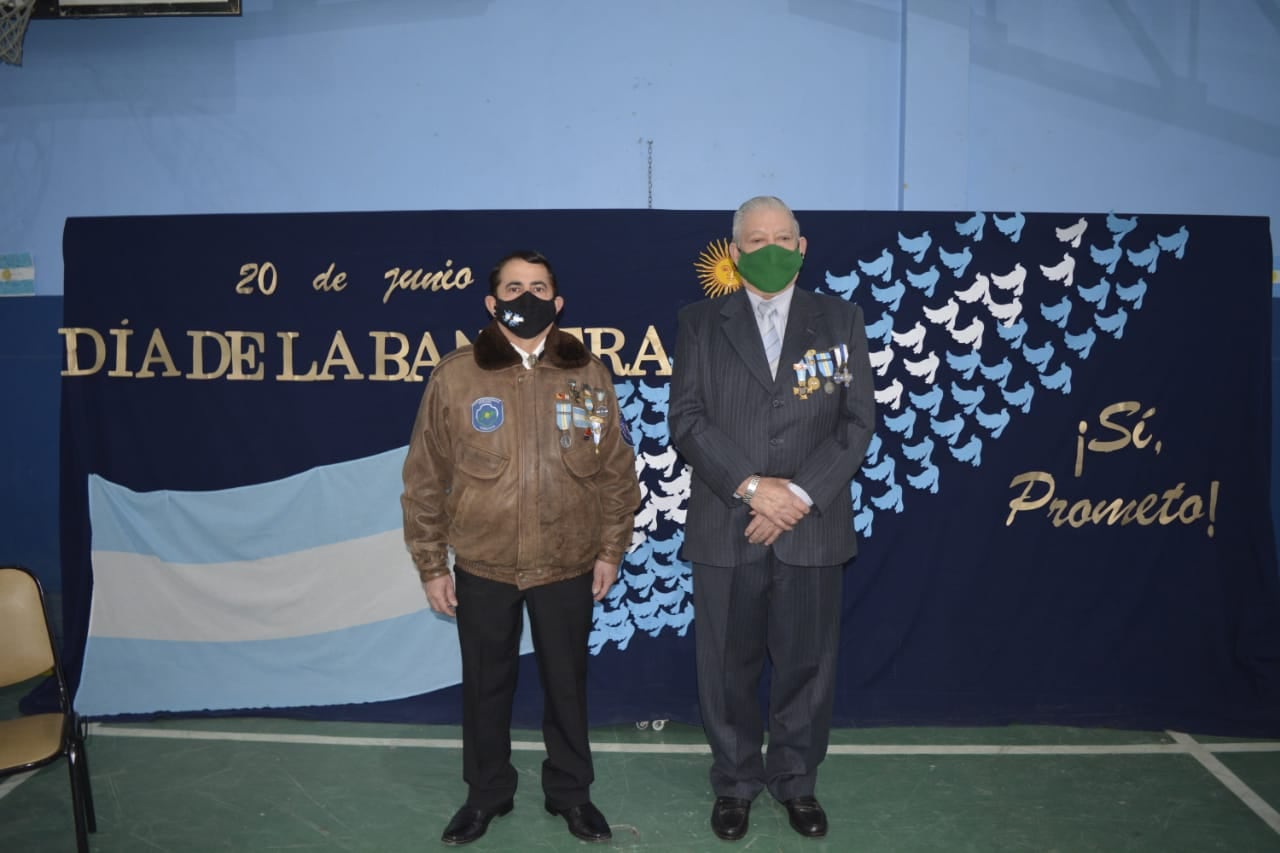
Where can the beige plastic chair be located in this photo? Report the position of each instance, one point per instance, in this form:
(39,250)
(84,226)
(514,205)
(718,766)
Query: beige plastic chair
(27,651)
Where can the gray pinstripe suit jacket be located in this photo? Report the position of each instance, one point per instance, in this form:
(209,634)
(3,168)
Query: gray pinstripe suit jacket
(730,420)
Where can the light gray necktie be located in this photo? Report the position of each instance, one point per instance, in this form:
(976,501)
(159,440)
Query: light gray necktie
(770,335)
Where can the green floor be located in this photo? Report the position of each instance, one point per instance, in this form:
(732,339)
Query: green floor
(274,785)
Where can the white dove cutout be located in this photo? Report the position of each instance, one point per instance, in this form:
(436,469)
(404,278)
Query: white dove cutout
(890,396)
(912,339)
(1063,272)
(944,315)
(1004,313)
(1073,233)
(971,334)
(880,360)
(978,290)
(926,368)
(1012,280)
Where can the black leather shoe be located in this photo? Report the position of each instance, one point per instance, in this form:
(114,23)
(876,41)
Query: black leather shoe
(469,823)
(807,817)
(729,818)
(585,822)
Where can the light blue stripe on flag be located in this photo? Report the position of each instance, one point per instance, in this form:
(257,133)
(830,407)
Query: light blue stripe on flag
(392,659)
(17,275)
(322,506)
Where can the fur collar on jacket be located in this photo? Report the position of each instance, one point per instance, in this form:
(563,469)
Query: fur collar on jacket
(494,352)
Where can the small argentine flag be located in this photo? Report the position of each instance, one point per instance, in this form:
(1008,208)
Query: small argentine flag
(17,275)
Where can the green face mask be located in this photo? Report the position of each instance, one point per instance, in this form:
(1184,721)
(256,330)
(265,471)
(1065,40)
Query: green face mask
(770,268)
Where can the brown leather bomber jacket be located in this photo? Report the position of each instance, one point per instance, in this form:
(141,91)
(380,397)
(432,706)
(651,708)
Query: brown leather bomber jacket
(487,471)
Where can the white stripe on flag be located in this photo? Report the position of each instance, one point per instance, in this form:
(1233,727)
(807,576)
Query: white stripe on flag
(306,592)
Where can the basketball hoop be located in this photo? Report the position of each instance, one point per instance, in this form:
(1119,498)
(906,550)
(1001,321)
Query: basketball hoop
(14,15)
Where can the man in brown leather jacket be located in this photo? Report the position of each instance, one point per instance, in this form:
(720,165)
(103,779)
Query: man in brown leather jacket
(518,462)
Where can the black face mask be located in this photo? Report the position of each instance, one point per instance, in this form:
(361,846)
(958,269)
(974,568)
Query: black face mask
(526,316)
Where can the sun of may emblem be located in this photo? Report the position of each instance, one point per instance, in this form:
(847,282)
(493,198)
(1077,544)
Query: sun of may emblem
(715,269)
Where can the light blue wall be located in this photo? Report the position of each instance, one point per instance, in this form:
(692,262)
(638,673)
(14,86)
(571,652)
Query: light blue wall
(1157,106)
(303,105)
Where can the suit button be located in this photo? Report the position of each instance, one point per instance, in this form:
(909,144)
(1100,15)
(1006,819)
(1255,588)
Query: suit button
(774,442)
(777,404)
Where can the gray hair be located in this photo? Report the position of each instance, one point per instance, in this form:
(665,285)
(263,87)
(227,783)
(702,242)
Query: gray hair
(755,204)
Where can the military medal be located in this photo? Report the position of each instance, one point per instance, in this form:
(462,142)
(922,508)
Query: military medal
(598,413)
(842,374)
(564,420)
(811,384)
(827,368)
(801,388)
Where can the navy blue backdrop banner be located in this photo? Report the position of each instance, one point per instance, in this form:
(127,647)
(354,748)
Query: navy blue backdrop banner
(1064,513)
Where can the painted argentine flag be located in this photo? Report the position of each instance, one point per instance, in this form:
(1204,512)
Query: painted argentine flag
(17,275)
(284,594)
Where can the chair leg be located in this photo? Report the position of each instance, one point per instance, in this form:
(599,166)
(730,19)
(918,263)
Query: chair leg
(78,804)
(85,786)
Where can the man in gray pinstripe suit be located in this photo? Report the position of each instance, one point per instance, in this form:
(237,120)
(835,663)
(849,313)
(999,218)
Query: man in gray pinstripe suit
(772,404)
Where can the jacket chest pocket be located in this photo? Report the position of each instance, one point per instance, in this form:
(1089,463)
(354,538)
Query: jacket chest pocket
(478,501)
(480,463)
(582,460)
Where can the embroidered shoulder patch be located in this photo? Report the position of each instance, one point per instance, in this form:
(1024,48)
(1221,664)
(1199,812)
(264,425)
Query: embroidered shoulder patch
(486,414)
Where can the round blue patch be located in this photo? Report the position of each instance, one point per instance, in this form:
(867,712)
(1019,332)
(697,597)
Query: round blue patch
(486,414)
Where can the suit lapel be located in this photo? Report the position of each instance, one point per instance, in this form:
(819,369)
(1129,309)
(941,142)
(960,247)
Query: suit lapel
(739,324)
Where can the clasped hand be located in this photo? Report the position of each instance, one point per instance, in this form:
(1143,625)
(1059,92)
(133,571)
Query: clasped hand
(775,509)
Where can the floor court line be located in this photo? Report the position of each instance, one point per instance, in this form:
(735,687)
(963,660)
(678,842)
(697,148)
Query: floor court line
(1182,744)
(1231,781)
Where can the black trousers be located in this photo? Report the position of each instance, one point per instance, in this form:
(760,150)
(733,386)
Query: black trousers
(490,619)
(792,615)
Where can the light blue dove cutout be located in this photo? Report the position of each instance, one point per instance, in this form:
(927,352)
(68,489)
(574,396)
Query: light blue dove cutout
(930,401)
(1132,293)
(925,281)
(970,451)
(957,262)
(881,267)
(1059,380)
(881,330)
(1175,242)
(1038,357)
(997,373)
(1081,344)
(926,479)
(964,364)
(994,423)
(881,471)
(1146,258)
(1097,294)
(891,296)
(1120,226)
(1107,257)
(1020,398)
(1113,324)
(968,398)
(872,455)
(1058,313)
(1010,226)
(972,227)
(1014,333)
(916,247)
(891,499)
(921,451)
(903,424)
(843,285)
(948,428)
(966,386)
